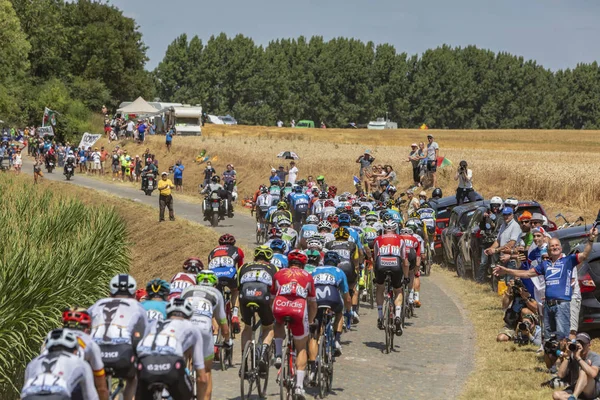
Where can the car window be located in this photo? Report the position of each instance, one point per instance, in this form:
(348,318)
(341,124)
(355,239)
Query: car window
(476,219)
(531,209)
(570,243)
(464,220)
(453,219)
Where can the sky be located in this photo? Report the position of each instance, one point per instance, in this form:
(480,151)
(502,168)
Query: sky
(558,34)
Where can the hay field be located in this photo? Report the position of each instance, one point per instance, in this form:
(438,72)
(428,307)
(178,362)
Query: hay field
(558,168)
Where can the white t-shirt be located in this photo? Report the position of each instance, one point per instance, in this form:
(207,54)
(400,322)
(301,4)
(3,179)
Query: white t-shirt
(466,183)
(130,126)
(292,175)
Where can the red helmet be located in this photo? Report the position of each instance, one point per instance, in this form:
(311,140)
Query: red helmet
(193,265)
(76,317)
(227,239)
(329,203)
(333,219)
(298,257)
(348,207)
(141,294)
(275,233)
(332,189)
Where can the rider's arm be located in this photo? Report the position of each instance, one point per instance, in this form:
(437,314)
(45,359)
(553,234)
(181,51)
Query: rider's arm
(221,317)
(198,359)
(95,361)
(87,383)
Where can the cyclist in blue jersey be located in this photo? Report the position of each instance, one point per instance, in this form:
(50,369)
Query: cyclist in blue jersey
(299,203)
(156,304)
(275,192)
(427,215)
(309,229)
(279,258)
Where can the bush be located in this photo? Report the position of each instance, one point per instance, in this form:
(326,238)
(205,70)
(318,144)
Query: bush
(56,252)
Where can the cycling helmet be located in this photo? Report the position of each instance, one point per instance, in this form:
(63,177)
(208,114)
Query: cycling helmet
(384,182)
(333,219)
(141,294)
(278,245)
(496,201)
(284,222)
(332,189)
(297,257)
(342,233)
(312,219)
(215,179)
(289,184)
(181,306)
(158,288)
(406,231)
(264,190)
(301,182)
(274,233)
(122,284)
(315,243)
(437,192)
(331,258)
(227,239)
(324,225)
(425,205)
(390,203)
(371,217)
(386,216)
(355,221)
(329,203)
(282,205)
(313,256)
(411,225)
(76,318)
(298,189)
(322,195)
(364,210)
(343,197)
(390,225)
(193,265)
(339,210)
(344,218)
(263,252)
(392,189)
(61,339)
(320,178)
(511,201)
(207,278)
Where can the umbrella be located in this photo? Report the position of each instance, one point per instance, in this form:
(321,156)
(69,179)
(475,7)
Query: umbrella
(288,155)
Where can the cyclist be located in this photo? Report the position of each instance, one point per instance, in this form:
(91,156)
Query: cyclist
(79,321)
(255,281)
(331,192)
(282,212)
(162,354)
(349,260)
(157,293)
(295,297)
(59,372)
(332,290)
(328,209)
(309,229)
(207,302)
(261,206)
(181,280)
(224,260)
(313,257)
(414,247)
(286,190)
(279,258)
(389,256)
(288,234)
(118,323)
(299,203)
(427,216)
(321,183)
(324,229)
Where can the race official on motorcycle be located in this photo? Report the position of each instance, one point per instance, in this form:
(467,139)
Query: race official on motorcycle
(489,226)
(69,161)
(215,186)
(149,169)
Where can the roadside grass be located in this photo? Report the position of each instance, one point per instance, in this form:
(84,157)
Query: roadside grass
(548,166)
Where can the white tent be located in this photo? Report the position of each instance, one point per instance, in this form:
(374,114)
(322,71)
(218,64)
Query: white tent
(139,106)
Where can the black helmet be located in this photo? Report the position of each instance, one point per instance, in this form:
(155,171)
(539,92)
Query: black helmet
(384,182)
(215,179)
(437,192)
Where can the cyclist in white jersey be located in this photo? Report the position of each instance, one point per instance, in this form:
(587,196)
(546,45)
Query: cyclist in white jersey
(118,323)
(207,302)
(162,354)
(57,373)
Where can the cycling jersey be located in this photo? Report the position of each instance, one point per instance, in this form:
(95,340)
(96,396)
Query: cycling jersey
(308,231)
(88,350)
(327,211)
(289,236)
(224,261)
(330,284)
(264,201)
(395,214)
(117,321)
(227,250)
(155,309)
(58,373)
(389,252)
(181,281)
(275,192)
(354,236)
(299,202)
(278,215)
(317,207)
(279,260)
(255,281)
(370,233)
(427,215)
(347,251)
(413,241)
(292,288)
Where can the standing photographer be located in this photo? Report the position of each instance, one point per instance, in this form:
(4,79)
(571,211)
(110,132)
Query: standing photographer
(579,366)
(464,176)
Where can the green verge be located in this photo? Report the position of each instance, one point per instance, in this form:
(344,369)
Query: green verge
(55,252)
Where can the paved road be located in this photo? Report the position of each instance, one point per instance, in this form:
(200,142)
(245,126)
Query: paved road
(431,360)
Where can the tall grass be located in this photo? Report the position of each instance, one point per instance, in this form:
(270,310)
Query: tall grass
(54,252)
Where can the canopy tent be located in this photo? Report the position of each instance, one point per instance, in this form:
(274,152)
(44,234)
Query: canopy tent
(139,106)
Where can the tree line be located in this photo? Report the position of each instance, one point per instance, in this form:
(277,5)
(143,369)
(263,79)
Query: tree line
(346,80)
(72,57)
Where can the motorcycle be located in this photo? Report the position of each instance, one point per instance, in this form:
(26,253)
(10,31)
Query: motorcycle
(148,183)
(70,171)
(49,166)
(214,208)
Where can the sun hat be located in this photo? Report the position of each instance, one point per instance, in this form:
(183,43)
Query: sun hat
(164,173)
(583,338)
(525,215)
(414,145)
(537,217)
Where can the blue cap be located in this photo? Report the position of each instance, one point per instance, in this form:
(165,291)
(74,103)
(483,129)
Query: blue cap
(507,211)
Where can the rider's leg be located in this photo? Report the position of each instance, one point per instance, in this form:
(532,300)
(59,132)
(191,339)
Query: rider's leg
(379,299)
(301,359)
(130,387)
(208,369)
(278,338)
(417,287)
(235,294)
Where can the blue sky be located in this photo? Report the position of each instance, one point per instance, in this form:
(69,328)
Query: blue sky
(556,33)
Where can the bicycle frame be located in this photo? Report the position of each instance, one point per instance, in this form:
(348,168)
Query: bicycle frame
(286,375)
(120,385)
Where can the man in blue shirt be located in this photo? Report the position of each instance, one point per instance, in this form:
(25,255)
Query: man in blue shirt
(178,176)
(558,272)
(169,140)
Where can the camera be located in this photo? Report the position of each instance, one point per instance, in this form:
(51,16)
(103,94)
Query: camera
(572,346)
(517,286)
(551,347)
(524,326)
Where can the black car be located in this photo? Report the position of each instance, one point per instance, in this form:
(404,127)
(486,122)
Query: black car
(443,207)
(589,283)
(572,237)
(471,244)
(533,207)
(457,225)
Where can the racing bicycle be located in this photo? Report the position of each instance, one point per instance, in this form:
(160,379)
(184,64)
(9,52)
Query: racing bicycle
(250,374)
(325,355)
(286,376)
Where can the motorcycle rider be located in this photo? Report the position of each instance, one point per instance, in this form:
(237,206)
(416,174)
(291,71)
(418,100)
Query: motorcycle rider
(215,186)
(149,169)
(69,162)
(489,226)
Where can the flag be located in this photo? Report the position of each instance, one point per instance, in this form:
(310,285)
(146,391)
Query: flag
(356,180)
(443,162)
(49,115)
(203,153)
(215,158)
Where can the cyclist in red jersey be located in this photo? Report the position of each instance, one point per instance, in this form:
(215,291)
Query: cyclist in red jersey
(413,253)
(295,297)
(416,285)
(225,260)
(389,255)
(182,280)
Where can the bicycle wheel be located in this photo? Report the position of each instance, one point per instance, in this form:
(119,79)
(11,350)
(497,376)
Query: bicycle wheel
(248,372)
(371,289)
(391,325)
(221,351)
(386,324)
(329,351)
(263,381)
(259,236)
(321,377)
(284,372)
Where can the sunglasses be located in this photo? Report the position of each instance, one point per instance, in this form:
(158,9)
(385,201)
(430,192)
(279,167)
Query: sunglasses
(525,222)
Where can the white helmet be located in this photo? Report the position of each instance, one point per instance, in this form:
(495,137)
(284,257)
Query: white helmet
(70,152)
(496,200)
(511,201)
(284,222)
(123,284)
(61,337)
(315,244)
(177,304)
(390,225)
(312,219)
(324,225)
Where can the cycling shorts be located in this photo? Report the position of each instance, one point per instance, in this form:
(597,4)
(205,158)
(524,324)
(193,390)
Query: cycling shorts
(328,295)
(205,325)
(120,359)
(388,264)
(412,259)
(227,276)
(297,310)
(167,370)
(350,272)
(259,293)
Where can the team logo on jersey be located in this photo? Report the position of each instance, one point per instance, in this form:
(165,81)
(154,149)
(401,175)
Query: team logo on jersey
(388,262)
(391,250)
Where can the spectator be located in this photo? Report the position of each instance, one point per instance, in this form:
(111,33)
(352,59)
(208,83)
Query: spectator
(229,178)
(124,164)
(129,129)
(18,161)
(147,157)
(165,199)
(115,164)
(464,176)
(414,157)
(391,174)
(103,157)
(96,163)
(519,306)
(281,174)
(141,131)
(37,169)
(169,139)
(137,170)
(433,151)
(413,202)
(280,124)
(365,161)
(293,123)
(558,271)
(178,175)
(323,125)
(292,173)
(489,227)
(209,171)
(580,368)
(311,182)
(508,236)
(274,178)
